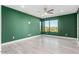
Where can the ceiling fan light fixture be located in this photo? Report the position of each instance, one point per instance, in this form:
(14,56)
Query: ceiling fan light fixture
(45,13)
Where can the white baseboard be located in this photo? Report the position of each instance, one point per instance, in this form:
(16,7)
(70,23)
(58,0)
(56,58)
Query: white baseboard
(38,36)
(61,37)
(77,39)
(20,40)
(78,42)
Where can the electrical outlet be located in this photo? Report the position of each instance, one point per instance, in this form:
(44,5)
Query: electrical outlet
(13,37)
(66,34)
(29,34)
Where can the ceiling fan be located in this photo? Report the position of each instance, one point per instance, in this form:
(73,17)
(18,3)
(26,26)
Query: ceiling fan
(48,11)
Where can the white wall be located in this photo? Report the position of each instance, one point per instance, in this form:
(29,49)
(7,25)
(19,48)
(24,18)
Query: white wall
(78,26)
(0,28)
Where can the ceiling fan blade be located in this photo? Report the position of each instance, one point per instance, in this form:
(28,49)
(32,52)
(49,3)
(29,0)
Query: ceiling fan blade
(50,10)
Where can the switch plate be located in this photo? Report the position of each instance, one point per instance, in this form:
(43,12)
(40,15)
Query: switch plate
(13,37)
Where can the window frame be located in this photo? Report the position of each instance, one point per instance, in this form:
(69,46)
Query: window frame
(52,23)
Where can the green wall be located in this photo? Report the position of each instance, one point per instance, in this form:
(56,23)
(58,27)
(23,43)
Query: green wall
(78,25)
(15,23)
(67,24)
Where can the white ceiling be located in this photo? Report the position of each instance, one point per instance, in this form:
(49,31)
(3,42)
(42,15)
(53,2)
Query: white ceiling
(37,10)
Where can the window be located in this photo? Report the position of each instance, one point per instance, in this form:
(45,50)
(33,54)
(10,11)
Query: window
(53,25)
(46,26)
(42,26)
(50,26)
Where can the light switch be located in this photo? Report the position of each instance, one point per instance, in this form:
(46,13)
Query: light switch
(29,22)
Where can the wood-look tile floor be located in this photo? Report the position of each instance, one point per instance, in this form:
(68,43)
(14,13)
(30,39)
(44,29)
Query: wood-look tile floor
(42,45)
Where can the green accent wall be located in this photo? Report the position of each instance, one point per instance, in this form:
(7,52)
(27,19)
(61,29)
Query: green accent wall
(17,25)
(67,24)
(78,25)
